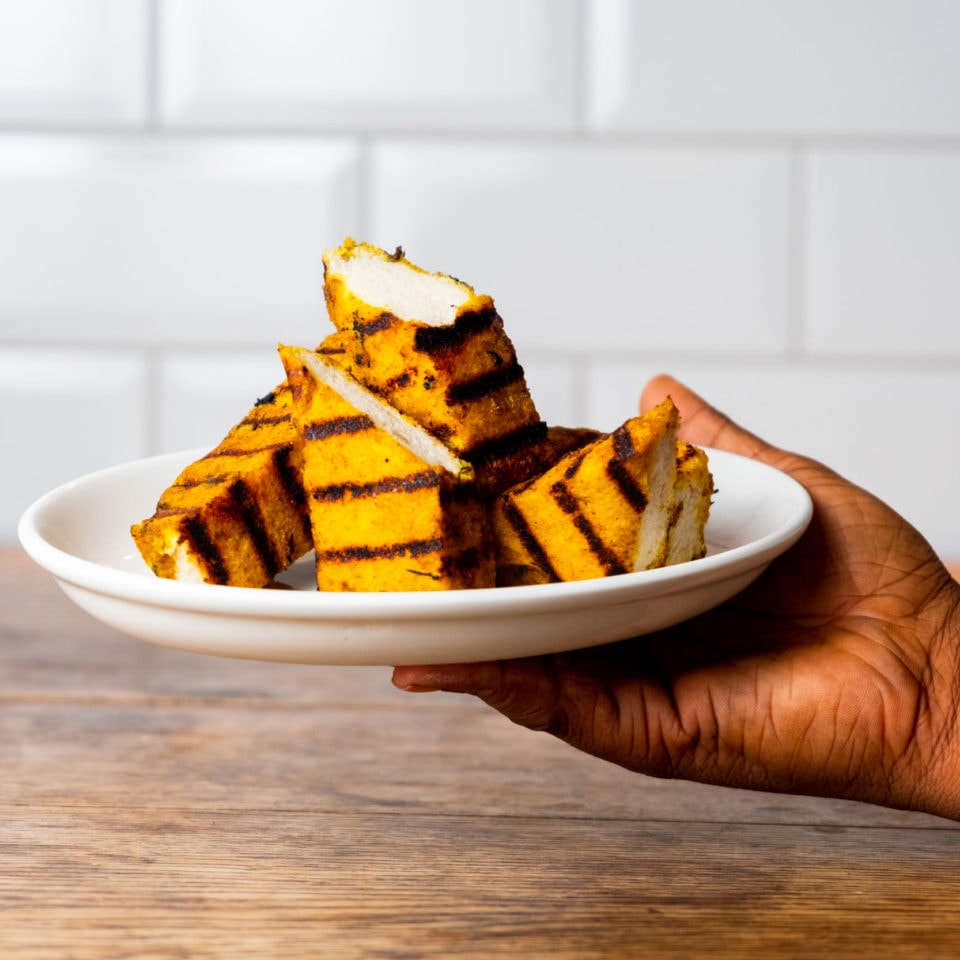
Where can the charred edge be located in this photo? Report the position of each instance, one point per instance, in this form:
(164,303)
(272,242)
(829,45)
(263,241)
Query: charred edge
(569,505)
(398,382)
(389,551)
(266,399)
(289,477)
(227,452)
(508,444)
(199,537)
(252,519)
(463,562)
(324,429)
(687,452)
(382,321)
(425,480)
(164,512)
(293,488)
(622,443)
(529,540)
(627,486)
(437,339)
(484,385)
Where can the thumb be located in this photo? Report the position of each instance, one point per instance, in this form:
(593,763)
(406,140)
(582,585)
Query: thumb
(706,426)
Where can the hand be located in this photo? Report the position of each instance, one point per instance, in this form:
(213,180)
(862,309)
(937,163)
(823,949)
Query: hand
(837,673)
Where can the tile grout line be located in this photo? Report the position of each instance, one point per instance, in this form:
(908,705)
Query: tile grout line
(152,67)
(580,74)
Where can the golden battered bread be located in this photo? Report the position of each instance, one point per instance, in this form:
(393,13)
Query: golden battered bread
(237,516)
(602,509)
(406,450)
(430,346)
(391,507)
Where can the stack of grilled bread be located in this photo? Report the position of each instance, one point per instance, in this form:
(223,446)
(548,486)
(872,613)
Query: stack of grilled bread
(407,453)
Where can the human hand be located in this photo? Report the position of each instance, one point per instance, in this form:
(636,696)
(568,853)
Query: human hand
(837,673)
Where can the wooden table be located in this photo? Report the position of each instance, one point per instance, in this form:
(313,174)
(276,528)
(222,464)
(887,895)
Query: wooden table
(163,804)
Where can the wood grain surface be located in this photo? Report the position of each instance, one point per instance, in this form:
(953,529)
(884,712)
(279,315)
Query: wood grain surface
(156,803)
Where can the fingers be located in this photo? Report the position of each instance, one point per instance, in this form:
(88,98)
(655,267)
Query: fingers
(620,720)
(526,691)
(702,424)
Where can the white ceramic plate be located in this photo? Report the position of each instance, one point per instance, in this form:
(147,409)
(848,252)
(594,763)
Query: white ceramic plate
(80,533)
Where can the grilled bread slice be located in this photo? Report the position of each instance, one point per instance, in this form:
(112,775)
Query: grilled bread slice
(602,509)
(237,516)
(437,351)
(391,507)
(691,505)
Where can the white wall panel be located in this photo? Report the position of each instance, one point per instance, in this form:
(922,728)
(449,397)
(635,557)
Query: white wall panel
(873,425)
(503,63)
(766,195)
(884,252)
(65,413)
(761,67)
(156,241)
(202,394)
(73,61)
(587,248)
(556,387)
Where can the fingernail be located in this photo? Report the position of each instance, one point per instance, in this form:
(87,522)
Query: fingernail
(416,687)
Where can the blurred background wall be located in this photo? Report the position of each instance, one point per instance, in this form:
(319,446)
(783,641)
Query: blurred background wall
(760,196)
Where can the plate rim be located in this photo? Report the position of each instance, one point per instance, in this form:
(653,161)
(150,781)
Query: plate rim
(247,602)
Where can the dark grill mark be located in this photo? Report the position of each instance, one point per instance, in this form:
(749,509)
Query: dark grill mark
(508,444)
(565,500)
(574,467)
(324,429)
(484,385)
(425,480)
(200,482)
(252,519)
(244,451)
(331,351)
(199,537)
(688,452)
(381,322)
(528,539)
(389,551)
(627,485)
(467,325)
(569,505)
(255,422)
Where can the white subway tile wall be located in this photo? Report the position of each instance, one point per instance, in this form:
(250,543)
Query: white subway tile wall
(762,197)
